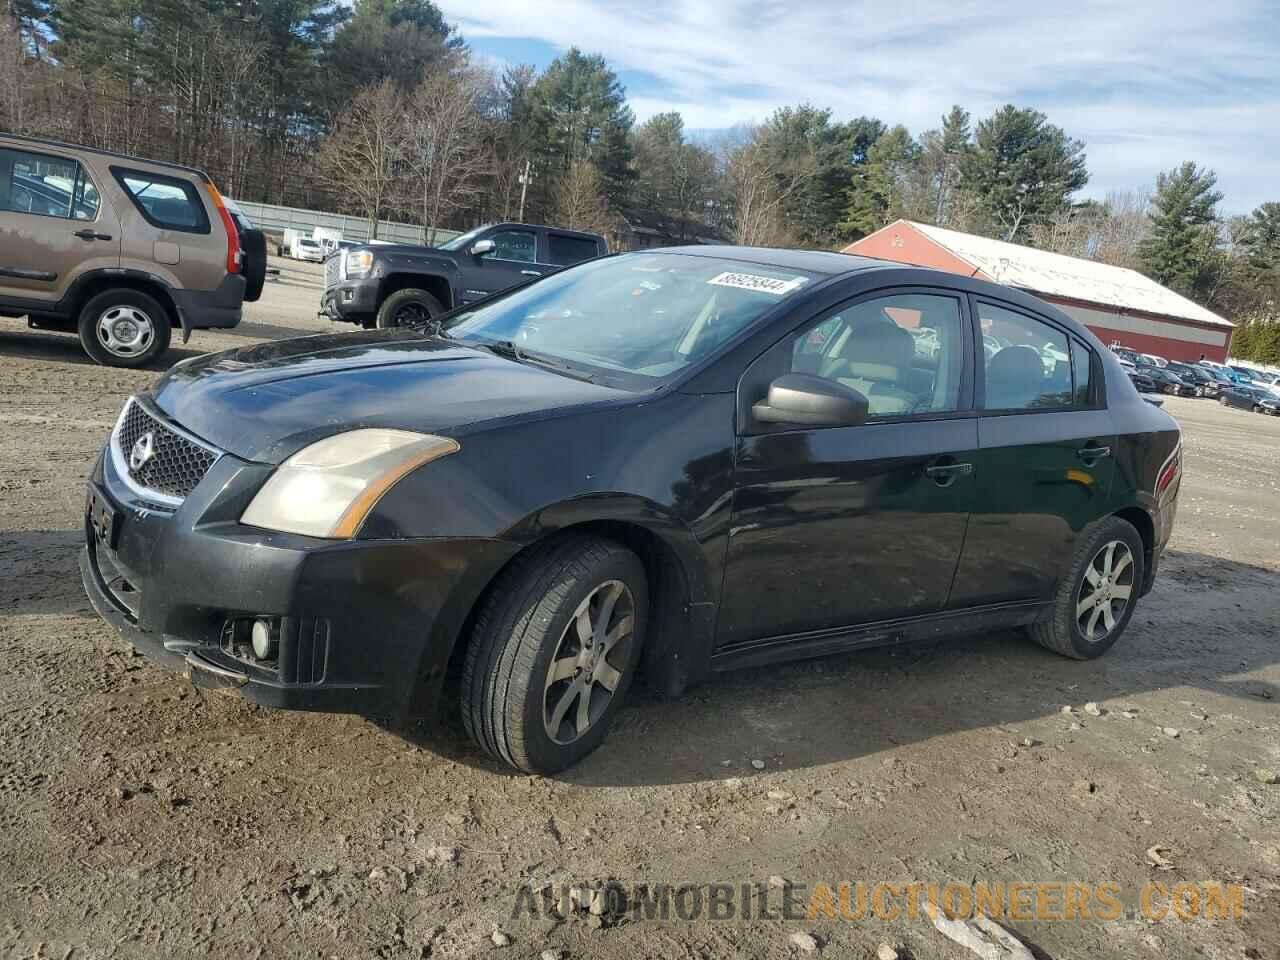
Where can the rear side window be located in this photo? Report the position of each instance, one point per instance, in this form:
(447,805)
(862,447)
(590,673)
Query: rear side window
(1028,362)
(46,186)
(566,251)
(165,202)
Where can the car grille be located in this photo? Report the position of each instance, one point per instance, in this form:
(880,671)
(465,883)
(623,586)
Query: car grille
(178,462)
(331,269)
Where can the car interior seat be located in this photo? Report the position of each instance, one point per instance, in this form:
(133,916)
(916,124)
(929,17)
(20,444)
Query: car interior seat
(876,360)
(1015,379)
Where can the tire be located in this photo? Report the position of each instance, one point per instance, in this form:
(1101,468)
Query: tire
(254,245)
(393,311)
(1061,631)
(106,320)
(509,703)
(1223,401)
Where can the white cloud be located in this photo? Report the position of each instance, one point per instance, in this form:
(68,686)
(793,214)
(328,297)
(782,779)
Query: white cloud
(1146,84)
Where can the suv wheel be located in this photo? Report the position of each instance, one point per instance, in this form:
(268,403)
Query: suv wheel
(124,328)
(406,307)
(553,652)
(1096,598)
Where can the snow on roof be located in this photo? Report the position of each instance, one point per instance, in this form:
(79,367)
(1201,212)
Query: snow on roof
(1056,274)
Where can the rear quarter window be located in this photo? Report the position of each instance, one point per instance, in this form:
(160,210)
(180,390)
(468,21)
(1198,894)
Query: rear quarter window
(169,203)
(565,251)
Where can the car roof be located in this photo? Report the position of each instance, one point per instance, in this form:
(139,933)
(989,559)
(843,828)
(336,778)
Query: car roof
(63,145)
(820,262)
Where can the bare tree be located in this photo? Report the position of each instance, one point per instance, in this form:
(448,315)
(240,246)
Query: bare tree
(758,187)
(15,78)
(444,150)
(1110,232)
(363,158)
(580,202)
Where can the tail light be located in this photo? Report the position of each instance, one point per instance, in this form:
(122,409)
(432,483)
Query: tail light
(229,224)
(1170,472)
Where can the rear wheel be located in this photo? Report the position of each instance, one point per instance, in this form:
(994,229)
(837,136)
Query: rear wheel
(407,307)
(553,652)
(124,328)
(1096,598)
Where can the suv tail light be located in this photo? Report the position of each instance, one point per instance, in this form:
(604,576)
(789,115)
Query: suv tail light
(229,224)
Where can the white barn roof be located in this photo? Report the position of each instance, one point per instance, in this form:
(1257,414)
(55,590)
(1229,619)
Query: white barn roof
(1056,274)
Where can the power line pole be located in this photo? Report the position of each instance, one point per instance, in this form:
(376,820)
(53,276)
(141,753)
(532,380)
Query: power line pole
(524,188)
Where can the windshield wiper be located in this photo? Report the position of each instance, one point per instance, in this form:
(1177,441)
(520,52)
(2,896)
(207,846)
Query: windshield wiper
(509,350)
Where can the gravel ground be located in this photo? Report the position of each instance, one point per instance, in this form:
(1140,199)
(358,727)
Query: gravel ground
(139,818)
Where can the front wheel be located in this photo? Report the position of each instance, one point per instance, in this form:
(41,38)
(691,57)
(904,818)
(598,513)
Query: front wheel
(553,652)
(1097,595)
(408,307)
(124,328)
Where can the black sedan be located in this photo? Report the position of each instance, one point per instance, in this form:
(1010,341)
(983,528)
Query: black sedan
(1246,397)
(1200,381)
(1167,381)
(670,462)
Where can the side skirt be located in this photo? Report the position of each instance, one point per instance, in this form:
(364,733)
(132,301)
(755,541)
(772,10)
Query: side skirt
(820,643)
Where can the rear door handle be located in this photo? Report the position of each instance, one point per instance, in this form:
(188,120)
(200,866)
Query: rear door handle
(531,273)
(1090,454)
(92,235)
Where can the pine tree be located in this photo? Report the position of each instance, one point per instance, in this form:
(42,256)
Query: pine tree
(1183,228)
(881,186)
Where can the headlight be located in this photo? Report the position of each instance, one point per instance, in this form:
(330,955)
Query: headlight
(359,263)
(328,488)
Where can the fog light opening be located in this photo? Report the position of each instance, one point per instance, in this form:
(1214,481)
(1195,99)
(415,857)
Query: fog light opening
(263,640)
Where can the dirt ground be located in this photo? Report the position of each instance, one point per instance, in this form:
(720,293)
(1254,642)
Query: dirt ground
(141,819)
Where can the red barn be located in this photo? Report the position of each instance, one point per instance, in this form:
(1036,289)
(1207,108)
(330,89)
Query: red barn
(1119,305)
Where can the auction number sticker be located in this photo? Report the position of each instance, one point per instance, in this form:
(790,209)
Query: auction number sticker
(753,281)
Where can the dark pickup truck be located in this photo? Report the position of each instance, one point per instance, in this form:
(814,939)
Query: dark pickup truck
(388,285)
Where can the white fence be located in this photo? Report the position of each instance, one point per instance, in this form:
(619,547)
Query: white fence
(276,219)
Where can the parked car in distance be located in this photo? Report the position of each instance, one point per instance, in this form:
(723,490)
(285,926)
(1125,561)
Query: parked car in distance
(1168,382)
(1153,360)
(304,248)
(397,284)
(1142,381)
(1244,396)
(1269,405)
(118,249)
(1199,380)
(690,459)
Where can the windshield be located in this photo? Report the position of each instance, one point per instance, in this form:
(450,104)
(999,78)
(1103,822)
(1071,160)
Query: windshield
(635,318)
(462,240)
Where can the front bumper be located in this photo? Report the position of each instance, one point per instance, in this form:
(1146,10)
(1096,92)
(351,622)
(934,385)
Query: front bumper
(363,627)
(350,300)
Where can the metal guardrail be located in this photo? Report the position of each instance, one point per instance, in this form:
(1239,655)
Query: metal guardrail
(276,219)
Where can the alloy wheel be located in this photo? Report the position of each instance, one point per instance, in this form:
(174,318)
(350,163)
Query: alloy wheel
(125,331)
(1105,591)
(411,313)
(587,665)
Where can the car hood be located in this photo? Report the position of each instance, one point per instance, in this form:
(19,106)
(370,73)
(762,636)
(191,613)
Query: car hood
(266,402)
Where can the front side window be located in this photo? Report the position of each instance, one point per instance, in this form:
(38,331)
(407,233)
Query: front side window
(904,353)
(165,202)
(633,319)
(1028,366)
(519,245)
(46,186)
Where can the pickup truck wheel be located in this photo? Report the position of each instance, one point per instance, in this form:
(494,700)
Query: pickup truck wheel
(124,328)
(1097,595)
(553,651)
(405,307)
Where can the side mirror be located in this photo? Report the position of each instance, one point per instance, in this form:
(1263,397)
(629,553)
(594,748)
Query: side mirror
(803,398)
(481,247)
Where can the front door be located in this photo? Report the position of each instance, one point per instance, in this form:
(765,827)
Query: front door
(844,526)
(513,260)
(55,223)
(1045,463)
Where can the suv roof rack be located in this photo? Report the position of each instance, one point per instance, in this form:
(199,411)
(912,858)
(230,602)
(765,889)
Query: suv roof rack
(46,141)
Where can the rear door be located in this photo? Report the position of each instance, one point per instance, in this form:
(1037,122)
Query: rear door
(55,224)
(565,249)
(836,527)
(514,259)
(1045,457)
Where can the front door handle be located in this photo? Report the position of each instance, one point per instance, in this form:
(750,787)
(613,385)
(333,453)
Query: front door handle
(1090,454)
(92,235)
(531,273)
(944,474)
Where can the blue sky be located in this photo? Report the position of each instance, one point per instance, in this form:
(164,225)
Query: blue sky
(1145,84)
